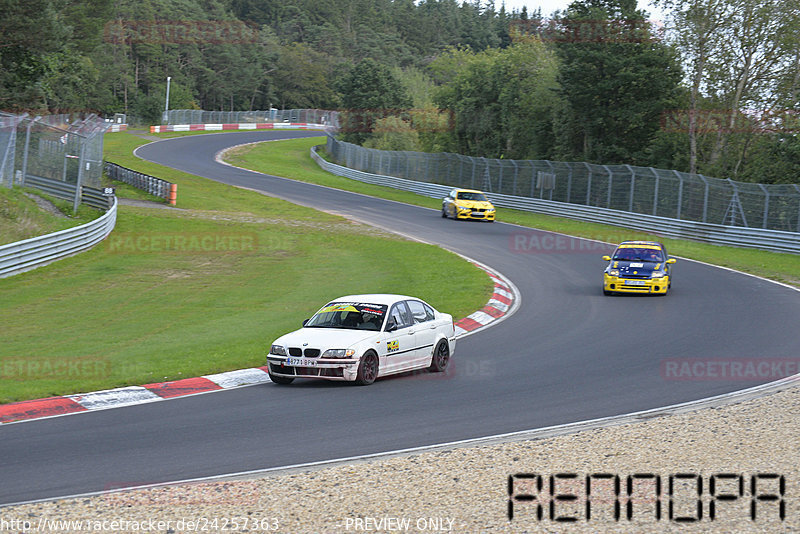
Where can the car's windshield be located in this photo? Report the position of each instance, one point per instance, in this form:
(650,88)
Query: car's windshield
(350,315)
(638,254)
(466,195)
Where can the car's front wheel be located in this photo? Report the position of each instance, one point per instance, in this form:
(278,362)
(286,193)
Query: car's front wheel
(367,369)
(444,213)
(282,380)
(441,357)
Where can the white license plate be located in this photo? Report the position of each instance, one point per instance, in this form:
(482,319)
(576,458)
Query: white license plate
(635,282)
(301,362)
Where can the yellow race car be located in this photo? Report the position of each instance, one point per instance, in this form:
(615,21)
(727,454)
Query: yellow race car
(638,267)
(468,204)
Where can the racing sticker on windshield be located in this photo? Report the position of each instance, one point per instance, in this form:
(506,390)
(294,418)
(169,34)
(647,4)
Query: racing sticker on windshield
(368,308)
(393,346)
(647,247)
(338,307)
(357,307)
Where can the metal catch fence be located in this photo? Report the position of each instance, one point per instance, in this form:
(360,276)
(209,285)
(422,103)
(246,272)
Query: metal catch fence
(57,148)
(645,190)
(198,116)
(663,226)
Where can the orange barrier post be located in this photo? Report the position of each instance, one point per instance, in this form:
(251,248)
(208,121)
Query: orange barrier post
(173,193)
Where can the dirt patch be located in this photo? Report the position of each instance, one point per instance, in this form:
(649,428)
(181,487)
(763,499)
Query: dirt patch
(345,226)
(46,205)
(144,203)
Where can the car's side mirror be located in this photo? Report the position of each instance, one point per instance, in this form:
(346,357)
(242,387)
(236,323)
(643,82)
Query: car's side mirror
(671,260)
(305,321)
(607,258)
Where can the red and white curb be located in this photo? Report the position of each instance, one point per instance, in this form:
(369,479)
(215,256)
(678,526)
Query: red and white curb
(503,303)
(237,126)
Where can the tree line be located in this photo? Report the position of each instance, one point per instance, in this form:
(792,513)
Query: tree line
(715,91)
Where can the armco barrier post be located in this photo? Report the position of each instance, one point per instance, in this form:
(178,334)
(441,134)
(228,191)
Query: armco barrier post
(27,148)
(173,194)
(79,184)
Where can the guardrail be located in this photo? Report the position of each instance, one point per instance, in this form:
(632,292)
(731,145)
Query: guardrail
(646,190)
(39,251)
(96,198)
(150,184)
(716,234)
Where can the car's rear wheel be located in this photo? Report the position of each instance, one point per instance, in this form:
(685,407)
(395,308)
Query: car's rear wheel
(441,357)
(367,369)
(282,380)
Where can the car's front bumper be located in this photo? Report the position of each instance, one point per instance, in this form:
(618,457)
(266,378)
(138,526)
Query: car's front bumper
(476,215)
(618,284)
(328,368)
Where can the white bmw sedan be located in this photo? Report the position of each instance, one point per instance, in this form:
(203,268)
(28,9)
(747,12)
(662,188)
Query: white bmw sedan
(362,337)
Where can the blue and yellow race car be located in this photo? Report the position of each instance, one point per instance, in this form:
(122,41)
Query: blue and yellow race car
(638,267)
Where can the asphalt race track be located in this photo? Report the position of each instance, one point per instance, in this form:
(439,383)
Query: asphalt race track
(568,354)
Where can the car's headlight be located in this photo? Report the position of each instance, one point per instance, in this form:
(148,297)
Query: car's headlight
(462,208)
(338,353)
(657,274)
(277,350)
(613,272)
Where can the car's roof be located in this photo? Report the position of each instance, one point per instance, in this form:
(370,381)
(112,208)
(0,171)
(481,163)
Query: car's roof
(374,298)
(642,243)
(468,190)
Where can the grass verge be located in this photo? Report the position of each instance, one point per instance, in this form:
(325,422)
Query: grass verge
(181,293)
(291,159)
(21,218)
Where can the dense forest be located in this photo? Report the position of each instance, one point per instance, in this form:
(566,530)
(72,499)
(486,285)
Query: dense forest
(715,91)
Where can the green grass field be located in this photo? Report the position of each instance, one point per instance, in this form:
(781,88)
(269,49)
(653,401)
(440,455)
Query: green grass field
(21,218)
(291,159)
(204,289)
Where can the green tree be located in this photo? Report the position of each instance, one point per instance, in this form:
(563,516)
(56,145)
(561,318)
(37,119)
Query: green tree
(616,78)
(393,133)
(743,60)
(502,99)
(32,32)
(369,91)
(301,79)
